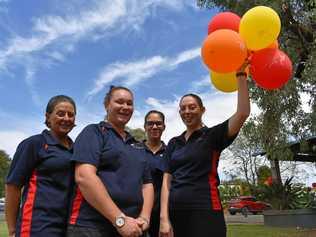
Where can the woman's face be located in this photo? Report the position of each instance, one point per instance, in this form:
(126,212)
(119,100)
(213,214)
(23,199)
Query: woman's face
(120,107)
(154,126)
(62,119)
(191,112)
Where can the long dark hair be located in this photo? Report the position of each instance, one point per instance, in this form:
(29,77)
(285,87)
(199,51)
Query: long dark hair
(161,115)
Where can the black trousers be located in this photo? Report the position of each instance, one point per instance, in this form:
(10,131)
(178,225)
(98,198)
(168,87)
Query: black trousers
(154,224)
(197,223)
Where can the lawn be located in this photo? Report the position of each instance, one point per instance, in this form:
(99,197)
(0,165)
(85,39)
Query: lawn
(239,231)
(3,229)
(262,231)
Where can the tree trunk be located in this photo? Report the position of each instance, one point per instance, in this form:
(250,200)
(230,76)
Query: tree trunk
(275,170)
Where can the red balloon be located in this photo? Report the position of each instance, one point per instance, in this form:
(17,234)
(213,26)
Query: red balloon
(224,20)
(270,68)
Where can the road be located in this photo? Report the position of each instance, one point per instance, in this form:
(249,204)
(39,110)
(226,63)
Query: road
(240,219)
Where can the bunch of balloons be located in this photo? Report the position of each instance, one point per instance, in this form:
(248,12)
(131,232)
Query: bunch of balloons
(231,40)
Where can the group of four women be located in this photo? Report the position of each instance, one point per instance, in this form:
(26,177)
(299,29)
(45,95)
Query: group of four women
(108,184)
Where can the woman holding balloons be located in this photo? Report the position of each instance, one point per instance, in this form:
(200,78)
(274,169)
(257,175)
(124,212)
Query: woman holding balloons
(190,203)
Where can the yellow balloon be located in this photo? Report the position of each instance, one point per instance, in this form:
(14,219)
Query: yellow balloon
(259,27)
(225,82)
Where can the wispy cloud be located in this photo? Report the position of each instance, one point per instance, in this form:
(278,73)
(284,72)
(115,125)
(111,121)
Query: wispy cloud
(55,33)
(132,73)
(202,83)
(102,16)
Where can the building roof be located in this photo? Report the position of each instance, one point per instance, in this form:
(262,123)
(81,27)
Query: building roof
(303,150)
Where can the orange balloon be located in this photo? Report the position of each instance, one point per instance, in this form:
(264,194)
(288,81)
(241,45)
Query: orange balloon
(224,51)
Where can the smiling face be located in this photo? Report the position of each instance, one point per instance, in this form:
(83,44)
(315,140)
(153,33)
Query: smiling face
(154,126)
(62,119)
(191,112)
(119,107)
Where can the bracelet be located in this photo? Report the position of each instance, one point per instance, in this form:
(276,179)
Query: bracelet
(238,74)
(144,219)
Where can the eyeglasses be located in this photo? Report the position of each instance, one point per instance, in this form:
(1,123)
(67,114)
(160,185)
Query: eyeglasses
(152,123)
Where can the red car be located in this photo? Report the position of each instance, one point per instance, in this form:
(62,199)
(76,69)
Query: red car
(246,204)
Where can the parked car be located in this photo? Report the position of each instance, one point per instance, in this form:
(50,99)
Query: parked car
(246,204)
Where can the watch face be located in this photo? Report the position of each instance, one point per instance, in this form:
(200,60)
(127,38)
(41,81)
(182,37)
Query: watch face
(120,222)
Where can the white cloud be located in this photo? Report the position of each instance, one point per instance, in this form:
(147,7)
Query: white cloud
(138,71)
(186,56)
(56,33)
(9,140)
(102,16)
(133,72)
(205,81)
(219,107)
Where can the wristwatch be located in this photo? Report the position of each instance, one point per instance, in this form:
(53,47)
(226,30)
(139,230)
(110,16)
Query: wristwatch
(120,221)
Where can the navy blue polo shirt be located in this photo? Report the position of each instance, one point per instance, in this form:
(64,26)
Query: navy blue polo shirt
(193,166)
(157,167)
(43,167)
(121,166)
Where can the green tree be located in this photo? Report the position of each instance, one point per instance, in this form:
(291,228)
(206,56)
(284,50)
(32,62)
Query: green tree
(138,133)
(282,116)
(264,172)
(243,150)
(4,167)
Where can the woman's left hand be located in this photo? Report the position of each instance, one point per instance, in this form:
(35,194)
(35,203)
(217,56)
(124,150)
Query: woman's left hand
(143,223)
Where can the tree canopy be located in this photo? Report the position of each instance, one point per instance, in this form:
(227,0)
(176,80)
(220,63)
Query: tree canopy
(4,166)
(282,117)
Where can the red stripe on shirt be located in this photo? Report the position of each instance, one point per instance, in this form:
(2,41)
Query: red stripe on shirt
(213,182)
(76,207)
(27,211)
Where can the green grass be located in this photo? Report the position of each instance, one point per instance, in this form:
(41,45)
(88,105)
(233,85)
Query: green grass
(263,231)
(3,229)
(239,231)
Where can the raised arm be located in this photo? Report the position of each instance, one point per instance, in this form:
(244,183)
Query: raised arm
(243,104)
(165,229)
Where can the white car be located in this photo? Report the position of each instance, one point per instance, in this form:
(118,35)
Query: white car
(2,204)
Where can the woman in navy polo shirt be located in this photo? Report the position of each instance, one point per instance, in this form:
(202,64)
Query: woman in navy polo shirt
(41,167)
(154,126)
(115,192)
(190,202)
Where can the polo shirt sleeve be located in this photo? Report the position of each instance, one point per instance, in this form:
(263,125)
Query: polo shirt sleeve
(167,156)
(88,146)
(24,161)
(217,136)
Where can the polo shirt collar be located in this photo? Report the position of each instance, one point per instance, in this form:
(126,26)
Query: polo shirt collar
(161,149)
(195,134)
(51,140)
(107,125)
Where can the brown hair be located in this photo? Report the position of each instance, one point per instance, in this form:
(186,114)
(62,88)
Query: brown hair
(109,94)
(196,97)
(55,101)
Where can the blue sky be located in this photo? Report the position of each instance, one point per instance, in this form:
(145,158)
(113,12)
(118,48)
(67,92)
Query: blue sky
(79,48)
